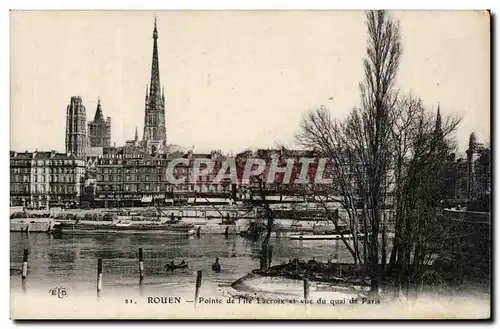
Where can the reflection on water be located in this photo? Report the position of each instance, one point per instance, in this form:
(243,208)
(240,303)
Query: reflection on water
(70,261)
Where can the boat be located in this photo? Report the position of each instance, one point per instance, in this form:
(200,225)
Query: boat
(32,225)
(76,226)
(323,236)
(123,224)
(172,266)
(464,215)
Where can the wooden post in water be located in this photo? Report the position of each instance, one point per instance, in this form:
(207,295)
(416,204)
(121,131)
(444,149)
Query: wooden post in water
(270,255)
(306,289)
(141,266)
(198,285)
(226,232)
(24,272)
(265,255)
(198,231)
(99,275)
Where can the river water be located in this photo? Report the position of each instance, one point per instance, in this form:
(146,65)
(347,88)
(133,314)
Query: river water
(70,261)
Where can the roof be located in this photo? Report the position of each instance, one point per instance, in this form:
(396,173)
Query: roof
(46,155)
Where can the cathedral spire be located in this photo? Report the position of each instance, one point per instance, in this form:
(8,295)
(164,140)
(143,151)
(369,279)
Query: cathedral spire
(136,134)
(438,119)
(155,32)
(154,117)
(98,112)
(154,88)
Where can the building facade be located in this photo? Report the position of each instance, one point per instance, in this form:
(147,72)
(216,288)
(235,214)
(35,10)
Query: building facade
(128,179)
(40,178)
(76,128)
(99,129)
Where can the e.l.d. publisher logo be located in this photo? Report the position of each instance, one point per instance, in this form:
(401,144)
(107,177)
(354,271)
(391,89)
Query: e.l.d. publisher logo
(60,292)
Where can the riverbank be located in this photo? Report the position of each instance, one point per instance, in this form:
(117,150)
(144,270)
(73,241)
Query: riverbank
(337,301)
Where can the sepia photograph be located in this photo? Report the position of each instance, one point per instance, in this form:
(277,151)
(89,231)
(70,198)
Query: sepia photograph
(250,164)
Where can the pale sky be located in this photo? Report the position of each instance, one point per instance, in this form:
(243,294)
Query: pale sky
(233,79)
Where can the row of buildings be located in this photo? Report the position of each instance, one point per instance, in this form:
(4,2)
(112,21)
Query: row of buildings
(127,177)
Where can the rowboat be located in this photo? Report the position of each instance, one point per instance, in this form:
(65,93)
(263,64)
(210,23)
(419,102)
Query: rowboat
(347,236)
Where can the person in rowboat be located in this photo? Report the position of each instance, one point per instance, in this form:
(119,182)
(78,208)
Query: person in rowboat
(216,265)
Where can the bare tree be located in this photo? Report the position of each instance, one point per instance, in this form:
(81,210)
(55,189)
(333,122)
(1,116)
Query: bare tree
(359,146)
(388,152)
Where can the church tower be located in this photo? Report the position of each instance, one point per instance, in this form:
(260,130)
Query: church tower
(155,136)
(76,124)
(99,129)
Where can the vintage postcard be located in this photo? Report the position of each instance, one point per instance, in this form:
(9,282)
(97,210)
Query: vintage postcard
(250,164)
